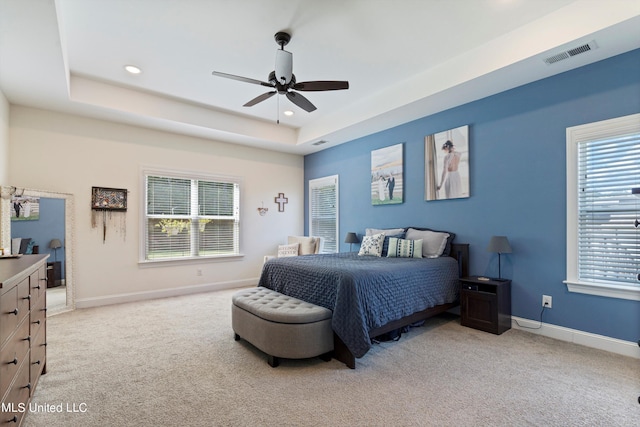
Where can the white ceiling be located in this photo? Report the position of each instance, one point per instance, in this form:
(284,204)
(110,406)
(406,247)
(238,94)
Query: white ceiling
(404,59)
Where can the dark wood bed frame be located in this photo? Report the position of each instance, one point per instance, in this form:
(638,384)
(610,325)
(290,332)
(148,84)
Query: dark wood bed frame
(459,251)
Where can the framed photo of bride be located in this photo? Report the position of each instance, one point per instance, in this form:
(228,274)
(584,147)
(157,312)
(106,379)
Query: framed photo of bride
(446,164)
(387,175)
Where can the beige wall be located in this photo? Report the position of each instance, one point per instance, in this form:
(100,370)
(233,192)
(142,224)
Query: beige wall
(70,154)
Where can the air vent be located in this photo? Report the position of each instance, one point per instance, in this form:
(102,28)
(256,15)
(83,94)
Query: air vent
(592,45)
(319,142)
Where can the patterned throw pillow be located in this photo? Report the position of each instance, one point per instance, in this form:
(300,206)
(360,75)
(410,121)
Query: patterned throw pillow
(372,245)
(402,248)
(288,250)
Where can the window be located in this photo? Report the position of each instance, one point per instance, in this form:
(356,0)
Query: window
(188,217)
(603,243)
(323,211)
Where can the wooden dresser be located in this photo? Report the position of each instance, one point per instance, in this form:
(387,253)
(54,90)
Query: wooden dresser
(23,338)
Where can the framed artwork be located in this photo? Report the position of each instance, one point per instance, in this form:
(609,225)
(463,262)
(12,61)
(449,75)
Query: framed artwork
(25,208)
(387,175)
(446,164)
(108,199)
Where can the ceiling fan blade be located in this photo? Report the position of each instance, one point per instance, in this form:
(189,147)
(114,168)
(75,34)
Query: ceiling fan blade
(321,85)
(260,98)
(301,101)
(242,79)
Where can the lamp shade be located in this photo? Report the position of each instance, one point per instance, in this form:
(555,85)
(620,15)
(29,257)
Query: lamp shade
(55,244)
(352,238)
(499,244)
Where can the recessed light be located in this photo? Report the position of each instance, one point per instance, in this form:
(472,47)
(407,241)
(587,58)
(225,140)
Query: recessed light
(288,113)
(132,69)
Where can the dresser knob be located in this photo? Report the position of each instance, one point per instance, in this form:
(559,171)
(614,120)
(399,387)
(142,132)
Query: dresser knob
(15,311)
(37,362)
(36,287)
(28,338)
(37,322)
(14,419)
(14,361)
(27,297)
(28,386)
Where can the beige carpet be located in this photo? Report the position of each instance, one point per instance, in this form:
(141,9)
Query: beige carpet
(174,362)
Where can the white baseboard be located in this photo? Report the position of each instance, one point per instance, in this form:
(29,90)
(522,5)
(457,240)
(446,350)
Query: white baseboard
(163,293)
(613,345)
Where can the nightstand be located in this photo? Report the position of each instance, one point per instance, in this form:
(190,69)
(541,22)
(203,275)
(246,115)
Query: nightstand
(485,304)
(54,274)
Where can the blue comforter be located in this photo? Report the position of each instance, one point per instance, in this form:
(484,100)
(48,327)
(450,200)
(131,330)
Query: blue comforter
(364,292)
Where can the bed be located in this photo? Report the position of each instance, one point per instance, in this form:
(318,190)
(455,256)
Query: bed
(369,295)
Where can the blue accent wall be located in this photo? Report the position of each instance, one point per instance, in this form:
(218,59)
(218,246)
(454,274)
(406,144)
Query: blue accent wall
(49,226)
(517,167)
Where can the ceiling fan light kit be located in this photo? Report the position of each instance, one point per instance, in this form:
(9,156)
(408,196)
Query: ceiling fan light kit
(283,81)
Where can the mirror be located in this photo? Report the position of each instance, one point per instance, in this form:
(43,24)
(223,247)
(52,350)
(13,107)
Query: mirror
(65,301)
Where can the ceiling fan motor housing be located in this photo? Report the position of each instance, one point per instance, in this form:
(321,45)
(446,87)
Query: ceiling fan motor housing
(284,66)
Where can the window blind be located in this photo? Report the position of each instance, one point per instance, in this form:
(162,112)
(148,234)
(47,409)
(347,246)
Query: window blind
(608,242)
(323,211)
(191,217)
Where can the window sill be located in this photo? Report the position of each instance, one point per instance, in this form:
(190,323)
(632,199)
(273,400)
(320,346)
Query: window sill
(629,292)
(186,261)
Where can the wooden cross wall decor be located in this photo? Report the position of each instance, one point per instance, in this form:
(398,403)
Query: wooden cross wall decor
(281,201)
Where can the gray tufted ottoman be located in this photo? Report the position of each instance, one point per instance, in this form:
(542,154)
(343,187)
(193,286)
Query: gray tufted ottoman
(281,326)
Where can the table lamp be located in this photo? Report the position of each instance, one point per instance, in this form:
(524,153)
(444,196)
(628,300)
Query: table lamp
(499,245)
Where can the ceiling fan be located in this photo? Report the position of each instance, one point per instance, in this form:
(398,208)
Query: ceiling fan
(283,81)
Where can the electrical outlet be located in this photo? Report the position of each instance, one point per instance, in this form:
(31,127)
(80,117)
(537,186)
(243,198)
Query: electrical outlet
(546,301)
(198,272)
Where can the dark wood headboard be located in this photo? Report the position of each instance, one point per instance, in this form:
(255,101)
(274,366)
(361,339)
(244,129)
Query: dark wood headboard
(460,251)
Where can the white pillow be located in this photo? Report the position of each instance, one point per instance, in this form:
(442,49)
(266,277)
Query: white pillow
(433,242)
(403,248)
(288,250)
(307,244)
(372,245)
(387,231)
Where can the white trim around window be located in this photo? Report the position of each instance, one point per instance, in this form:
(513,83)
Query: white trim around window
(205,209)
(324,207)
(622,127)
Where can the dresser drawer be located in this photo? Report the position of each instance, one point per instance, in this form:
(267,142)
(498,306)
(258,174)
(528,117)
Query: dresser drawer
(16,401)
(38,315)
(24,299)
(38,282)
(8,313)
(12,355)
(38,356)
